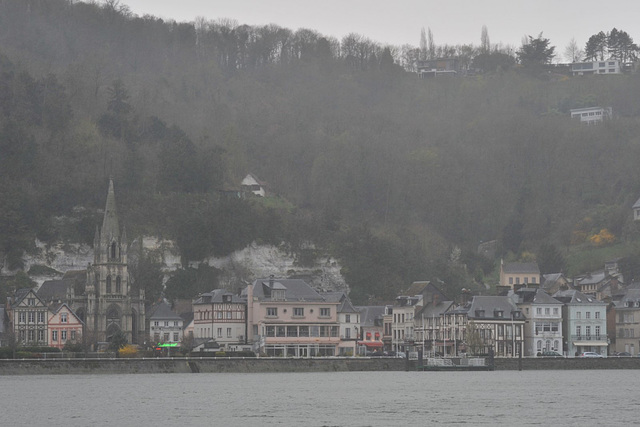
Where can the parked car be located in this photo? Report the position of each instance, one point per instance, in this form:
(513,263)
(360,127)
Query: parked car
(622,354)
(590,354)
(550,354)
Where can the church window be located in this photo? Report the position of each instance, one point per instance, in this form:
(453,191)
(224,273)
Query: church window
(113,250)
(118,285)
(108,284)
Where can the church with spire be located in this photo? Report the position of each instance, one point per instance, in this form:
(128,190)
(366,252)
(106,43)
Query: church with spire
(108,304)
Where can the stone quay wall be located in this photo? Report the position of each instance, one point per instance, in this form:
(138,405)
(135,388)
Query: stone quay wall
(261,365)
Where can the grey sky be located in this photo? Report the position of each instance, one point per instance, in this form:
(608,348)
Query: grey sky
(399,22)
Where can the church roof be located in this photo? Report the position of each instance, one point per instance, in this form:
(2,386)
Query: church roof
(110,228)
(52,290)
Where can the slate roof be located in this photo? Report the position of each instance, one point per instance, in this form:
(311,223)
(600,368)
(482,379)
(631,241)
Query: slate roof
(489,305)
(295,290)
(369,314)
(592,278)
(52,290)
(434,310)
(19,295)
(632,296)
(215,296)
(573,296)
(341,297)
(164,312)
(521,268)
(535,296)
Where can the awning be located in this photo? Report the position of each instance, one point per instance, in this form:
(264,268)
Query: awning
(590,343)
(376,344)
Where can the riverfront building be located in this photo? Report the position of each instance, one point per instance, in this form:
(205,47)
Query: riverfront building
(286,317)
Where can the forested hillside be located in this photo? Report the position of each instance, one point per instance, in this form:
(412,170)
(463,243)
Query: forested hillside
(385,171)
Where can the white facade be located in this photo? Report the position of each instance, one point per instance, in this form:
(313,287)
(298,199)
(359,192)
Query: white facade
(250,183)
(611,66)
(591,115)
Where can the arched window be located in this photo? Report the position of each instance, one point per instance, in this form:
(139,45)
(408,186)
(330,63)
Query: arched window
(539,345)
(113,250)
(118,285)
(108,284)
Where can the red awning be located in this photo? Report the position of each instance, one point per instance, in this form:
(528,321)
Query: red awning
(370,343)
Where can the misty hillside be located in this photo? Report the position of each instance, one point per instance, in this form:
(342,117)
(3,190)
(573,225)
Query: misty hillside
(385,171)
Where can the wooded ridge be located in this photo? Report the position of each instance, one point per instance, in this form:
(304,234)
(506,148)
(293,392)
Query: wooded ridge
(385,171)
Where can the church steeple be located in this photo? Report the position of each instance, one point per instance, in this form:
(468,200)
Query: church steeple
(110,230)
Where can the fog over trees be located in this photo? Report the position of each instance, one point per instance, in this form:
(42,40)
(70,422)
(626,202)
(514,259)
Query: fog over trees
(384,171)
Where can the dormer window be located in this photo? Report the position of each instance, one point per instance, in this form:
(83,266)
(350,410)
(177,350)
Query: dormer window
(498,313)
(277,294)
(479,313)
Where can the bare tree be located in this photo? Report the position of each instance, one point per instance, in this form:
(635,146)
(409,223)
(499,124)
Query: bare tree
(485,44)
(572,52)
(423,44)
(432,45)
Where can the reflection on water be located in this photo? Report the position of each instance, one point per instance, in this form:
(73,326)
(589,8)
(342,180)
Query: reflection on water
(565,398)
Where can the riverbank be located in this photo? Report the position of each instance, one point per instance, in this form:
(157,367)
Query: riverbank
(265,365)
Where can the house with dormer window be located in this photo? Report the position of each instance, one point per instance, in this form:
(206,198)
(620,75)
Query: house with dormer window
(513,274)
(28,317)
(288,318)
(543,325)
(584,323)
(627,322)
(64,326)
(221,316)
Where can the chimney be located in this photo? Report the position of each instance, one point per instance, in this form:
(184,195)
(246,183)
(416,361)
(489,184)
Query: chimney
(271,281)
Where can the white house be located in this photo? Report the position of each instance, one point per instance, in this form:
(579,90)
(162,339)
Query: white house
(164,325)
(543,325)
(591,115)
(610,66)
(251,184)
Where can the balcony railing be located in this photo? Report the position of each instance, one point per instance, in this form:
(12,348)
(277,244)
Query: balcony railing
(588,337)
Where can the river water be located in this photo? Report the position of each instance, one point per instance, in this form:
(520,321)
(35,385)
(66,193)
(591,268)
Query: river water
(510,398)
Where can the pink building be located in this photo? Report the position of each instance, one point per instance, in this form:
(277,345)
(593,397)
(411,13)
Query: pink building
(288,318)
(64,326)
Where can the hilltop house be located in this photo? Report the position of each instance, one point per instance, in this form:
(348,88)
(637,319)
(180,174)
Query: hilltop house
(636,210)
(610,66)
(518,273)
(251,184)
(591,115)
(438,67)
